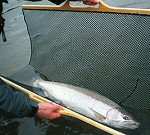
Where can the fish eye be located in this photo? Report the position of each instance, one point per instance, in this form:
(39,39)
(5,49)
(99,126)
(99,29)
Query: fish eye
(125,117)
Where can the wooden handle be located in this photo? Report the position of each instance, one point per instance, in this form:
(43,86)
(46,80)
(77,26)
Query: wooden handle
(103,7)
(65,111)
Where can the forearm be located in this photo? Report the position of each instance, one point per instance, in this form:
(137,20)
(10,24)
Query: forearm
(14,103)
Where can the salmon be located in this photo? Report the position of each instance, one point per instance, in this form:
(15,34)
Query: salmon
(88,103)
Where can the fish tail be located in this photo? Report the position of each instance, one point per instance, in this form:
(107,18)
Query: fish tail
(38,77)
(35,83)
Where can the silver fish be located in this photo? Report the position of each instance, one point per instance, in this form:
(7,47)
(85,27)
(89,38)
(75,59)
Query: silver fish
(88,103)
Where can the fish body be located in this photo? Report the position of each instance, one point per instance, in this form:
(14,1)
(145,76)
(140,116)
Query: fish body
(88,103)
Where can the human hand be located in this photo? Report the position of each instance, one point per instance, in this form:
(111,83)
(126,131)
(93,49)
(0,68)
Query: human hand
(91,2)
(48,111)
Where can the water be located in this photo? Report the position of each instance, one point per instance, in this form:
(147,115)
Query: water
(18,49)
(61,126)
(34,126)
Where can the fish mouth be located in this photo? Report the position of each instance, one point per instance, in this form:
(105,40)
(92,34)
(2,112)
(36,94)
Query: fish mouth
(131,125)
(127,125)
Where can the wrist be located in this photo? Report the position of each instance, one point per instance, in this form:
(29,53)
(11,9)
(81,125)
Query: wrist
(35,108)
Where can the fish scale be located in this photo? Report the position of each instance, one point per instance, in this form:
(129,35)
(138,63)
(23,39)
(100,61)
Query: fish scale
(88,103)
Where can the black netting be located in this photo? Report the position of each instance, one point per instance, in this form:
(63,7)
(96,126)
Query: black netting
(105,52)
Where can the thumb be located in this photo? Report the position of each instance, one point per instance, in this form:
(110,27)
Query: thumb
(55,115)
(56,107)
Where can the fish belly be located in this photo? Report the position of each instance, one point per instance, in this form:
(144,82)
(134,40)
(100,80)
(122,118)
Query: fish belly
(74,100)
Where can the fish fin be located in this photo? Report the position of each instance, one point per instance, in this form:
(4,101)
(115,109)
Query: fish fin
(40,92)
(98,116)
(53,99)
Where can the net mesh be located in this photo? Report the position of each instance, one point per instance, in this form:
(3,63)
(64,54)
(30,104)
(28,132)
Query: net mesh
(105,52)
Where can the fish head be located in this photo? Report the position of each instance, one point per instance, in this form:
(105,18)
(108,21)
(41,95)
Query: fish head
(118,117)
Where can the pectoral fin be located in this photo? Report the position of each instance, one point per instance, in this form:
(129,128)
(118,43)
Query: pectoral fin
(98,115)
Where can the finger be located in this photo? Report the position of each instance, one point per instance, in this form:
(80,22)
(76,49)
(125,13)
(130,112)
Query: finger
(96,1)
(90,3)
(55,115)
(56,107)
